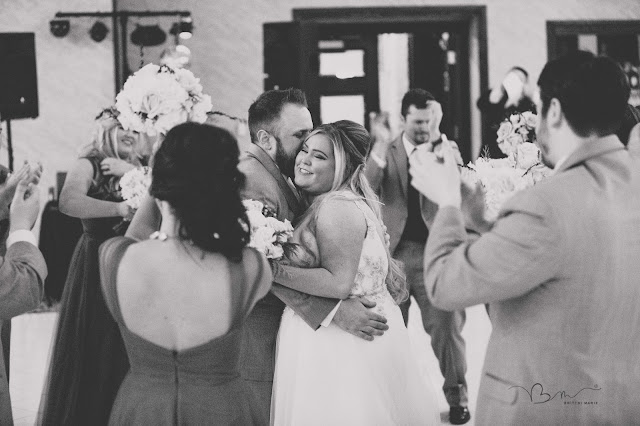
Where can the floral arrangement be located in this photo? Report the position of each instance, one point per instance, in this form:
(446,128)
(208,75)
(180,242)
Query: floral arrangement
(501,178)
(268,234)
(517,129)
(158,97)
(134,185)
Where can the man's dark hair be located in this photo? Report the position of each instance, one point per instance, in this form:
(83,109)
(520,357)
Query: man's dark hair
(593,92)
(416,97)
(522,70)
(265,110)
(629,120)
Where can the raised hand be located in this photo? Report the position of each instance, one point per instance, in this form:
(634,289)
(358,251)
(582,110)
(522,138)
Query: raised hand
(35,173)
(25,206)
(115,167)
(356,317)
(8,189)
(436,175)
(380,129)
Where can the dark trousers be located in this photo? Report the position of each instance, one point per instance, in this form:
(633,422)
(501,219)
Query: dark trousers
(444,327)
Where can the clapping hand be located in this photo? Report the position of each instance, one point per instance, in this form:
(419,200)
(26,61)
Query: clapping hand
(115,167)
(8,188)
(25,205)
(436,175)
(380,128)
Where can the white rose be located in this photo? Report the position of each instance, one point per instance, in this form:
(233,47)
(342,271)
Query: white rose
(279,226)
(274,252)
(530,119)
(505,130)
(167,121)
(256,219)
(262,239)
(508,146)
(527,155)
(253,205)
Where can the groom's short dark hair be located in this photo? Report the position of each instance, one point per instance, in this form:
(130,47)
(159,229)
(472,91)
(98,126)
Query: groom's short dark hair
(593,92)
(265,110)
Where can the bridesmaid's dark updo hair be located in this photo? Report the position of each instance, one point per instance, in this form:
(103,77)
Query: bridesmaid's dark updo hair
(196,171)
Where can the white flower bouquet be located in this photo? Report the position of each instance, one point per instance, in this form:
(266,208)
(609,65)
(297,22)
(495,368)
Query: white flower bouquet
(157,98)
(268,234)
(501,178)
(134,185)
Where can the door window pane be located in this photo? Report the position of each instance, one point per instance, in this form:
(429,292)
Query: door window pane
(347,64)
(334,108)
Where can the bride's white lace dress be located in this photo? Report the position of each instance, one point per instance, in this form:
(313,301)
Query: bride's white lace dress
(330,377)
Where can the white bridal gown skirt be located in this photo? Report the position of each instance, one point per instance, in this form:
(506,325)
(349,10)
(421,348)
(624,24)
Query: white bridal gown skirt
(330,377)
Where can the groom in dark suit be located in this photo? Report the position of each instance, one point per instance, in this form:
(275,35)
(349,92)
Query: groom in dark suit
(407,217)
(278,123)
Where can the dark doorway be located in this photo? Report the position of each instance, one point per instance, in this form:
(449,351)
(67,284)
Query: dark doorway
(296,54)
(620,40)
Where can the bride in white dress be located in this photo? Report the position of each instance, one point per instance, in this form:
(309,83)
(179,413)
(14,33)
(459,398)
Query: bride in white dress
(328,376)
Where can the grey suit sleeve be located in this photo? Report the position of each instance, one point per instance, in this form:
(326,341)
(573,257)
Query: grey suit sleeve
(312,309)
(22,276)
(522,251)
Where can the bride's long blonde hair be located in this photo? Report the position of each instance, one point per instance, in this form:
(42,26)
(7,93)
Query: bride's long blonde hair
(351,144)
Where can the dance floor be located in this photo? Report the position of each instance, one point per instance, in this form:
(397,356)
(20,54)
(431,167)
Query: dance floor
(31,341)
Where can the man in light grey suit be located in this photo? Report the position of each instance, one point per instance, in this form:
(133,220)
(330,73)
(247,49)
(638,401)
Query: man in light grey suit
(22,270)
(407,218)
(560,266)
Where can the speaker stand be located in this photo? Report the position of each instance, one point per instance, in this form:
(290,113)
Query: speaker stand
(9,146)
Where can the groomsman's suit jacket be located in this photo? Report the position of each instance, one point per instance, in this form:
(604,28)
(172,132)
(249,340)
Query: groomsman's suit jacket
(22,274)
(391,184)
(264,182)
(561,269)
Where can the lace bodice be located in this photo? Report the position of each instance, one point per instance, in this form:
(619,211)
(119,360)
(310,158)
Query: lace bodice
(374,265)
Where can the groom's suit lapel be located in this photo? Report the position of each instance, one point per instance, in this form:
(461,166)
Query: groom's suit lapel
(266,161)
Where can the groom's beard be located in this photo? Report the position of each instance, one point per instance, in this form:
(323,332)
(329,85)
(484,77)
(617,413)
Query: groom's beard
(285,162)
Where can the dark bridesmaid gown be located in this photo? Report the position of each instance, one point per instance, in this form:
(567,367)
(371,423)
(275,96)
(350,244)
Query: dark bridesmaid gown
(88,361)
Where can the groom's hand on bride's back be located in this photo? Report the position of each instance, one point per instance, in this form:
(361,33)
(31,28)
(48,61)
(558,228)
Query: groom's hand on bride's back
(356,317)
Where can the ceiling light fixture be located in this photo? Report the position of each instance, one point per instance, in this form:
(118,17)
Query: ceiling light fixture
(59,27)
(98,31)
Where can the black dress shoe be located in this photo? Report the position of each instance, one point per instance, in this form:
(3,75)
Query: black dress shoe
(459,415)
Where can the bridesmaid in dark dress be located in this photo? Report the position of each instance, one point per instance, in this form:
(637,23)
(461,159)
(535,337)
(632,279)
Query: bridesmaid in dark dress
(180,298)
(88,360)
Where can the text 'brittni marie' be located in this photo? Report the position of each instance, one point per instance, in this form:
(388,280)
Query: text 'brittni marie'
(537,395)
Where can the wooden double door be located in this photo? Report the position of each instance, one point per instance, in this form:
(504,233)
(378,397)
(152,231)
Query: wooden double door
(333,55)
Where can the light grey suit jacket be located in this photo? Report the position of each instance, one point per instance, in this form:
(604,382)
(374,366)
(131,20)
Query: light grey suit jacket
(391,185)
(561,270)
(22,275)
